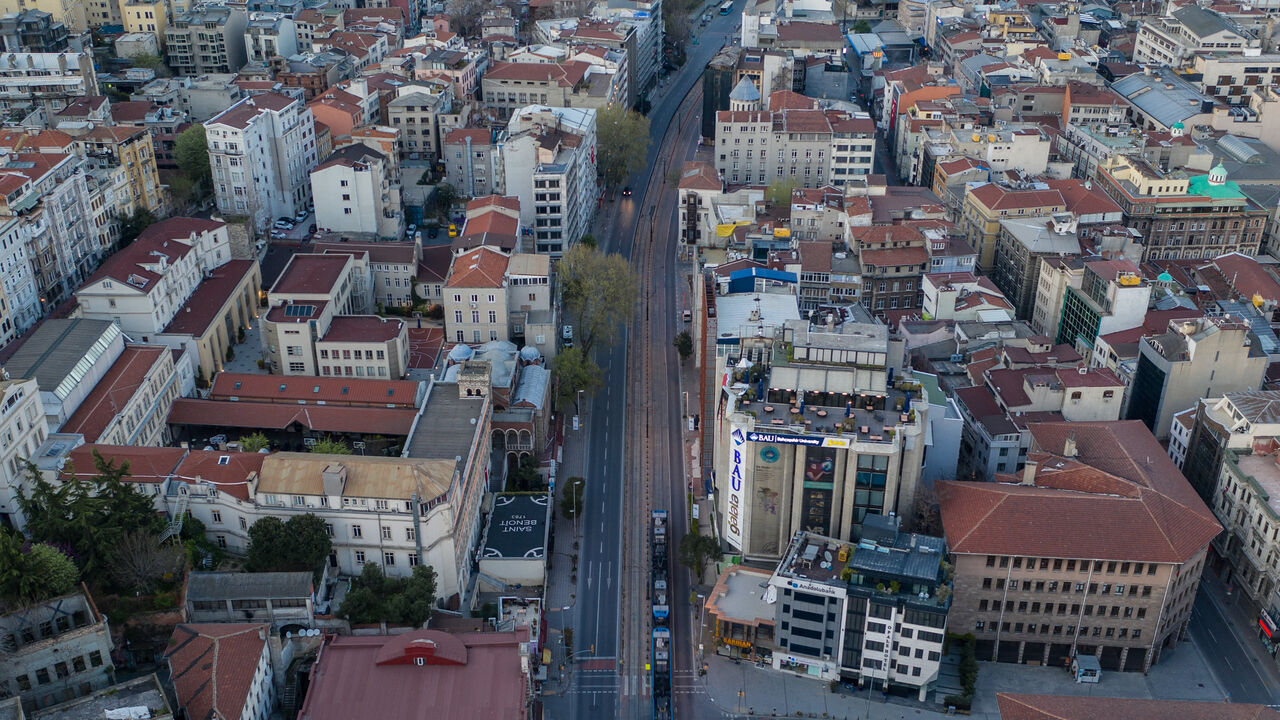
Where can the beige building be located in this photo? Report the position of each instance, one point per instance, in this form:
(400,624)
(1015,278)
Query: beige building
(145,16)
(77,15)
(22,429)
(210,322)
(490,295)
(1109,567)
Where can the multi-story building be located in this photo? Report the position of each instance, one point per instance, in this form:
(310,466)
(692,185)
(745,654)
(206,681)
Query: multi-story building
(354,195)
(76,15)
(391,267)
(1194,359)
(145,285)
(1113,295)
(509,86)
(207,39)
(1219,426)
(261,151)
(223,669)
(416,112)
(145,16)
(1174,39)
(130,404)
(1180,215)
(471,160)
(1112,566)
(643,18)
(808,147)
(1023,245)
(492,295)
(84,351)
(45,81)
(894,260)
(269,35)
(876,613)
(817,439)
(24,428)
(549,163)
(133,149)
(1056,275)
(985,205)
(33,31)
(55,651)
(1247,503)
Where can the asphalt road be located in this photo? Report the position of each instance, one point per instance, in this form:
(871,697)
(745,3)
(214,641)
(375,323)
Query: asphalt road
(1235,668)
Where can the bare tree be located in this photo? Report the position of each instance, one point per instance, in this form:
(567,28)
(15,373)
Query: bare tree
(928,520)
(141,562)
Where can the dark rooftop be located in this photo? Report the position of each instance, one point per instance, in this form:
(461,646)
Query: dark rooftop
(517,527)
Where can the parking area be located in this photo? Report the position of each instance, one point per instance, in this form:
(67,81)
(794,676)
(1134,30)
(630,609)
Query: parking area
(297,228)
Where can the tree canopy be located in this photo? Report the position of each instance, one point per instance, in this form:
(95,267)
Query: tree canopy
(191,152)
(374,597)
(622,142)
(599,291)
(329,446)
(684,344)
(32,572)
(696,550)
(302,543)
(255,442)
(574,371)
(89,517)
(132,225)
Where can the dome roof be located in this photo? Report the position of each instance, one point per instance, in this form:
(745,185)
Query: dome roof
(461,353)
(745,91)
(529,353)
(1164,277)
(1179,126)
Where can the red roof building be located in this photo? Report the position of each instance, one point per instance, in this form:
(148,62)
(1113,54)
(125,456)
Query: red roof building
(221,670)
(251,387)
(130,402)
(418,675)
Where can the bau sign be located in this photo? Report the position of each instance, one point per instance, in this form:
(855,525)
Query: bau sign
(737,457)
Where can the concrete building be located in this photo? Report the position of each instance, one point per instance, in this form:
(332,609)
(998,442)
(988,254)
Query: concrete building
(1025,243)
(876,613)
(222,670)
(45,81)
(491,295)
(76,15)
(67,357)
(355,196)
(269,35)
(1112,296)
(55,651)
(33,31)
(145,16)
(985,205)
(416,111)
(510,86)
(472,158)
(1194,359)
(1111,567)
(131,148)
(809,147)
(391,267)
(1234,422)
(549,163)
(814,440)
(130,405)
(207,39)
(261,151)
(24,429)
(280,598)
(1174,39)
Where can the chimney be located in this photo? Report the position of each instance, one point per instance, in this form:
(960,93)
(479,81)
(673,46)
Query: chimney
(1069,446)
(1029,472)
(262,634)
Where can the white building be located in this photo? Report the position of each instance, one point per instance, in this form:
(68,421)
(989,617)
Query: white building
(1180,435)
(48,81)
(354,195)
(270,35)
(22,430)
(261,151)
(218,687)
(549,162)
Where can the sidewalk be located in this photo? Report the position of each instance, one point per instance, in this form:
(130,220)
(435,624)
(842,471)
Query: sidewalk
(1244,625)
(561,591)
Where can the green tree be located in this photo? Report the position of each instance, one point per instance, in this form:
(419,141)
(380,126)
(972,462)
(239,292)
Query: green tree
(525,476)
(302,543)
(684,344)
(90,516)
(191,152)
(255,442)
(599,293)
(778,194)
(572,371)
(862,26)
(132,225)
(571,496)
(622,142)
(329,446)
(374,597)
(589,240)
(150,61)
(445,196)
(697,550)
(33,572)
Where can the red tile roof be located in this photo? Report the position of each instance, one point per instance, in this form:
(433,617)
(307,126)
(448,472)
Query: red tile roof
(790,100)
(1119,498)
(458,136)
(251,387)
(699,175)
(391,253)
(469,675)
(510,202)
(1016,706)
(145,464)
(565,74)
(1248,276)
(205,304)
(213,666)
(310,274)
(481,267)
(1083,200)
(114,391)
(363,329)
(895,257)
(997,197)
(272,416)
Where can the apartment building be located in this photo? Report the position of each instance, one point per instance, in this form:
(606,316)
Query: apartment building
(1193,359)
(239,682)
(509,86)
(875,614)
(1112,566)
(133,149)
(894,259)
(23,428)
(1113,295)
(206,39)
(492,295)
(145,285)
(76,15)
(808,147)
(33,31)
(416,112)
(1234,422)
(130,404)
(819,441)
(145,16)
(262,150)
(269,35)
(471,160)
(1181,215)
(549,163)
(1246,504)
(45,81)
(1024,243)
(391,267)
(1174,39)
(56,651)
(985,205)
(354,194)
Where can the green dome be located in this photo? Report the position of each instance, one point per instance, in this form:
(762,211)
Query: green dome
(1179,126)
(1164,277)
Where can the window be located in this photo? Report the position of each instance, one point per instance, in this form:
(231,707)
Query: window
(409,534)
(217,516)
(356,532)
(388,558)
(95,658)
(359,556)
(413,559)
(386,533)
(42,676)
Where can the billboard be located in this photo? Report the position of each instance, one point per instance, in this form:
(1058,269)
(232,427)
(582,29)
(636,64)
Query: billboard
(734,494)
(818,489)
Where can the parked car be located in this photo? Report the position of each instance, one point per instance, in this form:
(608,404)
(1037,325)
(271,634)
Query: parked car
(302,215)
(566,336)
(687,316)
(284,225)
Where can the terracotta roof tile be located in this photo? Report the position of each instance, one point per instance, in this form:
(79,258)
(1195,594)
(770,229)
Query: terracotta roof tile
(481,267)
(213,667)
(114,391)
(272,416)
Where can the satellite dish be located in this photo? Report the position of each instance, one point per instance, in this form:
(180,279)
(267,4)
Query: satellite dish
(288,635)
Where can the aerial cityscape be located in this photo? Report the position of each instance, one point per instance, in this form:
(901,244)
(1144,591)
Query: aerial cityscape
(639,359)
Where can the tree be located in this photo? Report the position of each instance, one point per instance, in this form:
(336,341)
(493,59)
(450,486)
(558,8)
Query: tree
(132,225)
(191,152)
(573,371)
(862,26)
(778,194)
(141,562)
(150,61)
(696,550)
(87,516)
(302,543)
(525,476)
(374,597)
(445,196)
(255,442)
(599,293)
(571,496)
(589,240)
(31,573)
(622,142)
(684,345)
(329,446)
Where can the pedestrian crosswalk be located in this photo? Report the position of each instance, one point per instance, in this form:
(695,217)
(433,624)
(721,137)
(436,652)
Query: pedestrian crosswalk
(603,682)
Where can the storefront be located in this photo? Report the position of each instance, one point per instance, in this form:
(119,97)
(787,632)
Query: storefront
(1268,632)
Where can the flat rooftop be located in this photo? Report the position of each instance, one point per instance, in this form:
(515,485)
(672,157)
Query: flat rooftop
(814,558)
(447,425)
(517,527)
(739,595)
(1265,471)
(141,692)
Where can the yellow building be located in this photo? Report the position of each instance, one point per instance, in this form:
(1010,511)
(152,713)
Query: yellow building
(146,17)
(72,13)
(986,205)
(132,149)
